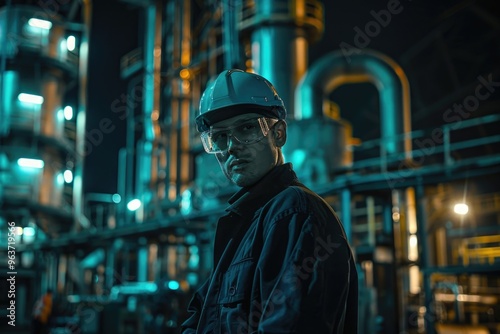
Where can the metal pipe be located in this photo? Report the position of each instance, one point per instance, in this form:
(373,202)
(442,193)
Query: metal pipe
(230,36)
(334,70)
(346,213)
(3,68)
(280,32)
(80,219)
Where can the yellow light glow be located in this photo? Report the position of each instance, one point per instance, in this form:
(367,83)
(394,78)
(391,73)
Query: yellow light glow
(461,208)
(184,74)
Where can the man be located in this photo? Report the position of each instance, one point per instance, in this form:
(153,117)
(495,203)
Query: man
(282,263)
(41,313)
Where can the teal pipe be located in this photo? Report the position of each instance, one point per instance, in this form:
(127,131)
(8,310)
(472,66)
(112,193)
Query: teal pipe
(335,69)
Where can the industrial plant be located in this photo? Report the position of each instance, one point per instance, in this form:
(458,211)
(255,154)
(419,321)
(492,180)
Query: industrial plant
(108,199)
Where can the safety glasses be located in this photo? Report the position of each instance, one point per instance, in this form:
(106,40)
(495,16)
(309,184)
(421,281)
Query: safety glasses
(247,132)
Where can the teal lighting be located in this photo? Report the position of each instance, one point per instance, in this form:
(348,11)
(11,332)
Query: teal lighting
(173,285)
(42,24)
(134,204)
(116,198)
(68,176)
(29,231)
(30,163)
(68,113)
(30,98)
(60,179)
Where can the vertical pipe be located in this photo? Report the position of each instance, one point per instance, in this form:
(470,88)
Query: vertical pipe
(411,223)
(370,208)
(275,57)
(346,213)
(110,268)
(174,146)
(121,183)
(78,200)
(142,261)
(387,220)
(150,106)
(280,31)
(422,226)
(3,67)
(230,38)
(279,53)
(149,63)
(184,101)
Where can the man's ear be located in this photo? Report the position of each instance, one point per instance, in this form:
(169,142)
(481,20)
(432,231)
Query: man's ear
(279,133)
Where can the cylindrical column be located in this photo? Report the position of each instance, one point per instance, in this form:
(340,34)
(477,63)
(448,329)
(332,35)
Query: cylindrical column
(279,53)
(280,31)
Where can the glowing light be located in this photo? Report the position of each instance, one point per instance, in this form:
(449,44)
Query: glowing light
(116,198)
(413,240)
(29,231)
(71,43)
(30,163)
(60,179)
(30,98)
(461,208)
(173,285)
(134,204)
(42,24)
(395,216)
(68,176)
(185,74)
(19,230)
(413,248)
(68,113)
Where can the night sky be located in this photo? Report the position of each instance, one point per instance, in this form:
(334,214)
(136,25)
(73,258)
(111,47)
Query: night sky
(114,33)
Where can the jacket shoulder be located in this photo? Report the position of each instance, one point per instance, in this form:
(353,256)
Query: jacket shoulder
(298,199)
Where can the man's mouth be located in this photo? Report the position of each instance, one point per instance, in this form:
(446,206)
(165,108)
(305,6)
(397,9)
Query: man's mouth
(237,164)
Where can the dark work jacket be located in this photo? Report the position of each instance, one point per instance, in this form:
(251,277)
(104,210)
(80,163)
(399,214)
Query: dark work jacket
(282,264)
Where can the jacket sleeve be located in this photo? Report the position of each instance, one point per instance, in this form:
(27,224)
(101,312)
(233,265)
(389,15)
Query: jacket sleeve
(194,308)
(303,273)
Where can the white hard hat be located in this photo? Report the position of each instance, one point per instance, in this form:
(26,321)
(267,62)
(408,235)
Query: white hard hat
(248,92)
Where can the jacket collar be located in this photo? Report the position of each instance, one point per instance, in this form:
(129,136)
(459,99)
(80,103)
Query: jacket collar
(247,200)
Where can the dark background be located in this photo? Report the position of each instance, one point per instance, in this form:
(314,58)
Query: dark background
(443,46)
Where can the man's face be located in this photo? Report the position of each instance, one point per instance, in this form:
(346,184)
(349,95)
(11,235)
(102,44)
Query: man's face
(245,164)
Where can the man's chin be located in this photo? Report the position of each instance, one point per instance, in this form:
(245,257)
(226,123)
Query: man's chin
(239,180)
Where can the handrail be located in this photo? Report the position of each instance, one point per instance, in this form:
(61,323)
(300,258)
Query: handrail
(425,145)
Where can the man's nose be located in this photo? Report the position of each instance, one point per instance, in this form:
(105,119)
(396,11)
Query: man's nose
(232,143)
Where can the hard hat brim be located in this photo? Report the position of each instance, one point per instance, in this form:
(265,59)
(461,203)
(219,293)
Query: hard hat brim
(206,120)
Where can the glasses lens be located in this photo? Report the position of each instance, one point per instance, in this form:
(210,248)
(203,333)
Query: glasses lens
(249,132)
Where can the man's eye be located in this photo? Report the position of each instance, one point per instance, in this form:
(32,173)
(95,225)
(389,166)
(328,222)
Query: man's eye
(219,136)
(248,127)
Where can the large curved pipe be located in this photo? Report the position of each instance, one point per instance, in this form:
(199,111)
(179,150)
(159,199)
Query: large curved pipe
(335,69)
